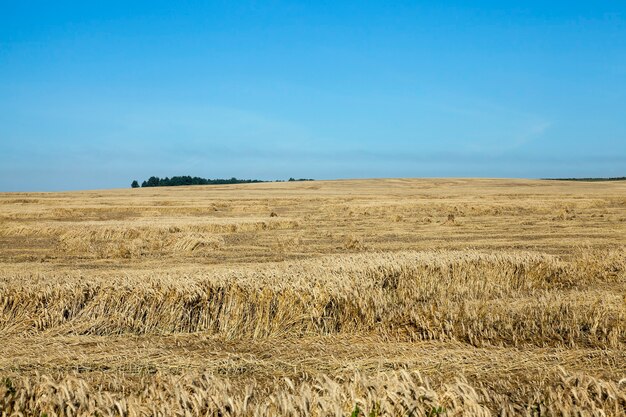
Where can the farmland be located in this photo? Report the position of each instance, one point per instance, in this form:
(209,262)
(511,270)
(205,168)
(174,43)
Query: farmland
(364,297)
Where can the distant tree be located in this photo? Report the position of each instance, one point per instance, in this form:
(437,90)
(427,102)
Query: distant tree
(134,184)
(144,184)
(153,182)
(292,179)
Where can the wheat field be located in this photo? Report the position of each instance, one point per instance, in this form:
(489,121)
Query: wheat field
(397,297)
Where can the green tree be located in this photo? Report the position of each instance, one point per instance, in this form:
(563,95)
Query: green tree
(153,182)
(134,184)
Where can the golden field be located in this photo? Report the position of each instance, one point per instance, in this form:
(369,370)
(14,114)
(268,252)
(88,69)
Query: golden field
(328,298)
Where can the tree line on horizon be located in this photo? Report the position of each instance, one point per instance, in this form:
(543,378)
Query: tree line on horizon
(588,179)
(189,180)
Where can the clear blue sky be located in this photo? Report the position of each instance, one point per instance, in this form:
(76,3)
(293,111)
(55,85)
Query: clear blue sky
(96,94)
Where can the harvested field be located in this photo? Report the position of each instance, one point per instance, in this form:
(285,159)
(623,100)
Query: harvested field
(330,298)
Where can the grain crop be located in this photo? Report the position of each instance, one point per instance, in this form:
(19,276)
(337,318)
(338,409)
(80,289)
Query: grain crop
(456,297)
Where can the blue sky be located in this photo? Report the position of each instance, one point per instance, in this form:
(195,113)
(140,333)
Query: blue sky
(96,94)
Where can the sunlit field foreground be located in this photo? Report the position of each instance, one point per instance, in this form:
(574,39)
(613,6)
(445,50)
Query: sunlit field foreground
(327,298)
